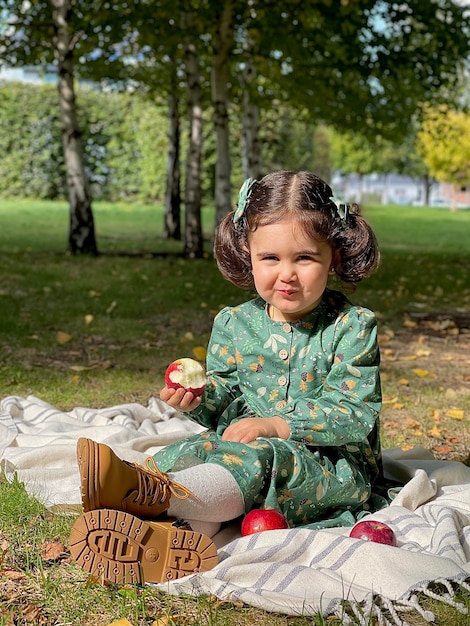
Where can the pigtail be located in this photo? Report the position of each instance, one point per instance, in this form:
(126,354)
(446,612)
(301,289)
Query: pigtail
(358,250)
(231,252)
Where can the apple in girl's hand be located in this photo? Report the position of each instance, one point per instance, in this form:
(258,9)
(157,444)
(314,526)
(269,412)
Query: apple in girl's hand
(258,520)
(370,530)
(186,373)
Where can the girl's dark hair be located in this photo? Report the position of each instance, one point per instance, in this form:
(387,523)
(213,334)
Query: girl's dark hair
(306,198)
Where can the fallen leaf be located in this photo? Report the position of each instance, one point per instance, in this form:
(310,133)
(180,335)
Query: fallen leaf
(120,622)
(408,357)
(200,353)
(403,381)
(52,550)
(423,373)
(455,414)
(32,613)
(88,319)
(12,574)
(443,449)
(111,307)
(62,337)
(398,405)
(412,423)
(435,432)
(422,352)
(407,323)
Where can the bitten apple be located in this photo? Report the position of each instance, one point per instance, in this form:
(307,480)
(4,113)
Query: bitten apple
(186,373)
(258,520)
(371,530)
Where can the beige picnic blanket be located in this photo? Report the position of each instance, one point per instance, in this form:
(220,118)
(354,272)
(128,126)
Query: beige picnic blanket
(294,572)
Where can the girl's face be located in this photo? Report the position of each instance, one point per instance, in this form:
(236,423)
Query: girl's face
(290,269)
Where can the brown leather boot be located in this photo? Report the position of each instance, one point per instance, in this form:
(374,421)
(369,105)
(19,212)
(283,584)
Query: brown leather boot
(117,547)
(106,481)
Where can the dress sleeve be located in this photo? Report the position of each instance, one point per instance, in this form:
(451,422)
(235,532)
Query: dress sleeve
(222,375)
(347,409)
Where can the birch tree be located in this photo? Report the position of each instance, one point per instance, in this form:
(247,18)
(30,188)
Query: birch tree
(222,42)
(193,228)
(172,215)
(82,229)
(43,32)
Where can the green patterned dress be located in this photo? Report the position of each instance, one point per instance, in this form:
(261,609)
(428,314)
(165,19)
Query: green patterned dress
(321,374)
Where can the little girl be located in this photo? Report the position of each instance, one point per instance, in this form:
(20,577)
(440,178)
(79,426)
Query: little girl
(293,396)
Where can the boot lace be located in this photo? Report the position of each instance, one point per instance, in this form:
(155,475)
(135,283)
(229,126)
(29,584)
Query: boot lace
(156,487)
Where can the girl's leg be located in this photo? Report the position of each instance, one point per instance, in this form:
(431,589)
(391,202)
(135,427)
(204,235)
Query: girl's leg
(215,497)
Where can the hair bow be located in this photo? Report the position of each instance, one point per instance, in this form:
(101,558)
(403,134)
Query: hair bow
(342,209)
(243,197)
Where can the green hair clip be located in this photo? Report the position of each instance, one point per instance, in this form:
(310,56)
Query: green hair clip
(243,197)
(342,209)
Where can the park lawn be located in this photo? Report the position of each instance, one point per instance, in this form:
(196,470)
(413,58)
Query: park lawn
(100,331)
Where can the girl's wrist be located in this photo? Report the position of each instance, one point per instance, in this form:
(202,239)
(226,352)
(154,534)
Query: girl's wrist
(281,427)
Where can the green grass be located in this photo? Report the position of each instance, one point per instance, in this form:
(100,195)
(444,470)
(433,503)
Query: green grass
(126,315)
(425,261)
(149,305)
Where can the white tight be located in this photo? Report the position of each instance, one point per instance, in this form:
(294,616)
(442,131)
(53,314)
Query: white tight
(215,497)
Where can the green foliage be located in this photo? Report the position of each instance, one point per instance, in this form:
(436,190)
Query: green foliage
(444,142)
(31,162)
(124,138)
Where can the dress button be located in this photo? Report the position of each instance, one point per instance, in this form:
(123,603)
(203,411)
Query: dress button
(283,354)
(281,404)
(282,380)
(286,327)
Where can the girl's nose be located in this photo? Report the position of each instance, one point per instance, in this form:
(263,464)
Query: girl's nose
(287,273)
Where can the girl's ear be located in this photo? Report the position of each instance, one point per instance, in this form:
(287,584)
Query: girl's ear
(334,261)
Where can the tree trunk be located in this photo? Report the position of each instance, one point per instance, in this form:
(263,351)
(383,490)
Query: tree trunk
(222,43)
(193,229)
(172,220)
(428,183)
(82,229)
(252,161)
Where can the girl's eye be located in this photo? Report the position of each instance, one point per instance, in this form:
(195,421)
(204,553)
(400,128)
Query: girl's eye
(305,257)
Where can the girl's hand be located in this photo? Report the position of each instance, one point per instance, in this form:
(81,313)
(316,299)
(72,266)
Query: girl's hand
(180,399)
(250,428)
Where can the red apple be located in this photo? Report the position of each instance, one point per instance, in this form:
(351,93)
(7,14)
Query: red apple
(258,520)
(370,530)
(186,373)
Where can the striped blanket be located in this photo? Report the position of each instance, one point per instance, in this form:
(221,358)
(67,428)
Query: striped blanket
(294,572)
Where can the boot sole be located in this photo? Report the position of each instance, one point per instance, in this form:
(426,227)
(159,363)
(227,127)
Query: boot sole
(88,457)
(120,548)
